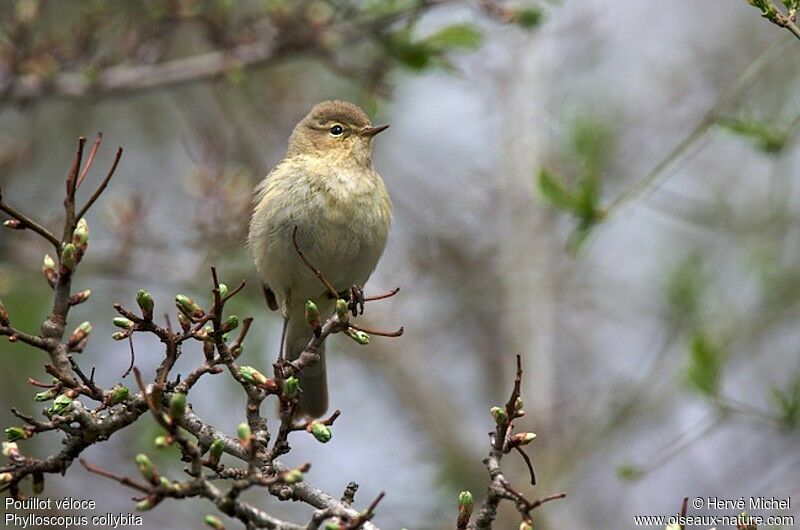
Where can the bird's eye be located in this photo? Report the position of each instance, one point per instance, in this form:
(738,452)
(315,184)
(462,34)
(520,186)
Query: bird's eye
(336,130)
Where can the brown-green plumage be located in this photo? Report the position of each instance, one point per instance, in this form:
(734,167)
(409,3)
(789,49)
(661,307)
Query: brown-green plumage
(327,188)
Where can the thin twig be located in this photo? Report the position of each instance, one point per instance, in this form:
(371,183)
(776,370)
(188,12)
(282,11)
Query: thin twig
(331,289)
(90,159)
(102,186)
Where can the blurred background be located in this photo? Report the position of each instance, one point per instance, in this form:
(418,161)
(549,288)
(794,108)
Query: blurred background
(541,208)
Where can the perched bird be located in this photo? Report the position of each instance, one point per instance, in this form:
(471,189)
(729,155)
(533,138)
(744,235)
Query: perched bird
(327,188)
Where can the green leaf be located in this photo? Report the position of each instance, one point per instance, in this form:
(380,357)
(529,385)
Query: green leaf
(788,403)
(554,191)
(456,36)
(629,472)
(414,55)
(529,18)
(704,371)
(766,136)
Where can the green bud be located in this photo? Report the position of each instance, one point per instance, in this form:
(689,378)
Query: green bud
(243,432)
(161,441)
(122,322)
(119,335)
(523,438)
(292,476)
(291,386)
(46,395)
(333,525)
(525,526)
(146,304)
(223,290)
(465,499)
(499,415)
(358,336)
(144,505)
(231,323)
(251,375)
(69,257)
(312,314)
(342,310)
(177,406)
(60,404)
(187,306)
(146,468)
(48,262)
(4,320)
(6,477)
(119,393)
(465,503)
(80,297)
(213,521)
(321,432)
(81,234)
(80,333)
(215,451)
(16,433)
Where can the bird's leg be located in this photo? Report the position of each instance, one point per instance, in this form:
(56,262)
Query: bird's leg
(357,300)
(283,337)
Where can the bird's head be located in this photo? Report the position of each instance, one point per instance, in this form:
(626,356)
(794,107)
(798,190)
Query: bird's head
(335,129)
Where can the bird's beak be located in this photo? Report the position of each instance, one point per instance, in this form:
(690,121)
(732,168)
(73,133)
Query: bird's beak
(372,131)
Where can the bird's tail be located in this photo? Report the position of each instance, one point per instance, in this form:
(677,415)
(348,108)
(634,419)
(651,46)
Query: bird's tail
(313,379)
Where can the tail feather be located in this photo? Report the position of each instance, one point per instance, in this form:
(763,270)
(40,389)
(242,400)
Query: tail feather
(313,378)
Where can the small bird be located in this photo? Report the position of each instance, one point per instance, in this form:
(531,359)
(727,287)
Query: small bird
(326,187)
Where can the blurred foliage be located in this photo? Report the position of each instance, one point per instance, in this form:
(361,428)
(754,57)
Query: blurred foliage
(418,54)
(686,285)
(766,136)
(591,146)
(703,372)
(788,403)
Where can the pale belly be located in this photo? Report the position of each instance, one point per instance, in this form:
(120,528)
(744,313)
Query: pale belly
(342,236)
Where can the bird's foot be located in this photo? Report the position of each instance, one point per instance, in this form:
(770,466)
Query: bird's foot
(355,299)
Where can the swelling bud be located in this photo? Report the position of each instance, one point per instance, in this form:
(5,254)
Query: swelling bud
(465,504)
(231,323)
(16,433)
(523,438)
(292,476)
(358,336)
(252,376)
(312,314)
(187,306)
(146,304)
(60,404)
(69,257)
(177,406)
(80,297)
(214,522)
(80,334)
(123,323)
(291,386)
(215,451)
(321,432)
(146,468)
(80,237)
(499,415)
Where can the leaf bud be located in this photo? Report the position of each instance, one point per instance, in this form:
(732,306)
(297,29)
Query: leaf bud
(321,432)
(146,304)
